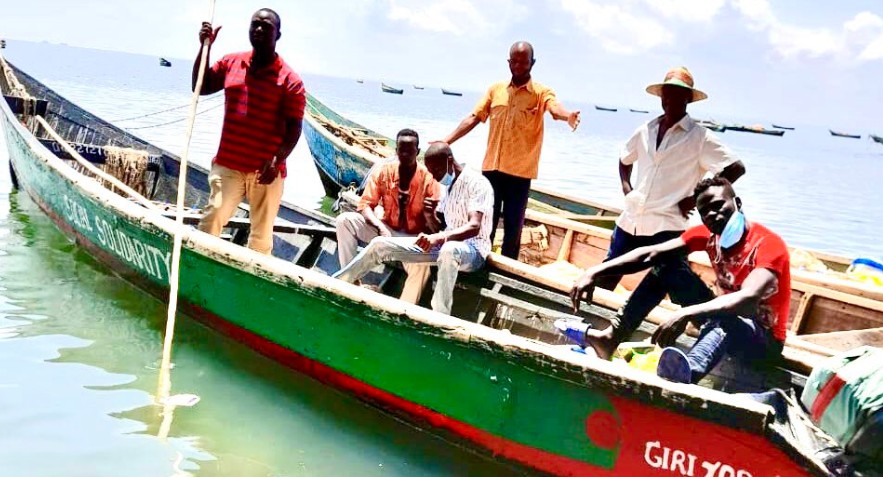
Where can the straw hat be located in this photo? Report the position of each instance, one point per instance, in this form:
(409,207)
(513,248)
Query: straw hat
(679,76)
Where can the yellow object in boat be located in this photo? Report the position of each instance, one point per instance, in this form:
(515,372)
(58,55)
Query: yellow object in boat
(639,355)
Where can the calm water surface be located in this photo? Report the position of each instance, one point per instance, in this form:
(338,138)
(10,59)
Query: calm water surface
(79,346)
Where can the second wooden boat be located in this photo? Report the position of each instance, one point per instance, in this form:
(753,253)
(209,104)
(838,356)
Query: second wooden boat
(843,134)
(755,130)
(783,127)
(877,139)
(450,93)
(603,108)
(389,89)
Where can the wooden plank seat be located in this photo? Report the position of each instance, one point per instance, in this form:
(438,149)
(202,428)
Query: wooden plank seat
(34,106)
(242,223)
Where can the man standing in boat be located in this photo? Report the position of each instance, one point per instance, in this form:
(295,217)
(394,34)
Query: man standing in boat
(516,109)
(748,319)
(672,153)
(263,114)
(408,194)
(463,242)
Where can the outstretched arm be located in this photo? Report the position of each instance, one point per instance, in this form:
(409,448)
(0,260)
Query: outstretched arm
(466,125)
(560,113)
(638,259)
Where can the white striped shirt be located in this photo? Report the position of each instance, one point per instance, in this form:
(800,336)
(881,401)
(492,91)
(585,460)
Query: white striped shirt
(471,192)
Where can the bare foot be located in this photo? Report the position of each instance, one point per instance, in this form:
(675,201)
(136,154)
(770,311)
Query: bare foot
(602,342)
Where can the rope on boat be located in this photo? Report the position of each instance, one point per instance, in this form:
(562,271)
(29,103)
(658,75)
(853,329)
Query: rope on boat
(15,86)
(175,120)
(94,170)
(209,98)
(165,378)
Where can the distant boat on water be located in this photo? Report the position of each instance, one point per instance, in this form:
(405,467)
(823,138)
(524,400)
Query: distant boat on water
(642,111)
(843,134)
(164,62)
(389,89)
(360,81)
(418,87)
(451,93)
(783,127)
(877,138)
(602,108)
(714,126)
(755,130)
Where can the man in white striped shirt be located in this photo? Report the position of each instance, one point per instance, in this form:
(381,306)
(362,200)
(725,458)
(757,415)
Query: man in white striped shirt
(462,242)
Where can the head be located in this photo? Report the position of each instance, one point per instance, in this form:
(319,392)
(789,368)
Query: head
(676,91)
(521,60)
(439,160)
(407,146)
(265,30)
(716,201)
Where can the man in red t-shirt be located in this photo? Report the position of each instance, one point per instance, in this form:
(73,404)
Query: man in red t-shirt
(263,114)
(747,318)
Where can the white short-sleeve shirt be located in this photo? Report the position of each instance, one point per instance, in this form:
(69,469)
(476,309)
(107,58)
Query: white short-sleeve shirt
(668,174)
(471,192)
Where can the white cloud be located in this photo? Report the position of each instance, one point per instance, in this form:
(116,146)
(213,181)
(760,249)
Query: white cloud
(458,17)
(693,11)
(860,38)
(617,27)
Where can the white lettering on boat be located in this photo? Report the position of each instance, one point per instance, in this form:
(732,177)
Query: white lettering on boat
(142,256)
(679,462)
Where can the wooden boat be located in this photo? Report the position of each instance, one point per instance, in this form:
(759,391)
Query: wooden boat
(344,151)
(714,126)
(602,108)
(418,87)
(642,111)
(843,134)
(783,127)
(164,62)
(755,130)
(389,89)
(451,93)
(877,139)
(828,309)
(516,399)
(360,81)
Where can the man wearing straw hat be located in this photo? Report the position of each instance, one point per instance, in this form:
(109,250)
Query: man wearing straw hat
(672,154)
(263,114)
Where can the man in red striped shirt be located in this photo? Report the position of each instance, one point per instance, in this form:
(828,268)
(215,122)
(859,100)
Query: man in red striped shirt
(263,115)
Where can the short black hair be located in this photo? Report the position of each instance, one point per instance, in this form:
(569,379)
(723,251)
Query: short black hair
(276,15)
(716,181)
(408,132)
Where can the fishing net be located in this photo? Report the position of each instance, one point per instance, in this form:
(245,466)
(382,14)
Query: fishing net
(128,165)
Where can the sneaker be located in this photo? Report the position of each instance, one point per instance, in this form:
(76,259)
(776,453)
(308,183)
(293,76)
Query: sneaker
(673,366)
(573,329)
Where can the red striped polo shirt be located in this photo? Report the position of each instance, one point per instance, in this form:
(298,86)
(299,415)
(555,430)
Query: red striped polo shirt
(257,105)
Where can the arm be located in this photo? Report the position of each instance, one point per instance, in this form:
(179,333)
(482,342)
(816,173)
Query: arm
(560,113)
(207,37)
(466,231)
(466,125)
(371,218)
(625,177)
(369,200)
(638,259)
(745,302)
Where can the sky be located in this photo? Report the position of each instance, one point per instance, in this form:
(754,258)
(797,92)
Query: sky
(784,61)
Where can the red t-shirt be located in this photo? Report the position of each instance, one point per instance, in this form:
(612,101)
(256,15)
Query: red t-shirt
(762,248)
(256,107)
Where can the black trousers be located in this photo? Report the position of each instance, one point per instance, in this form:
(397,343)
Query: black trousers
(510,201)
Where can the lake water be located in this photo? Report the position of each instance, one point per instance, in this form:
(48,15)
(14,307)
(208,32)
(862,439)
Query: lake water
(80,347)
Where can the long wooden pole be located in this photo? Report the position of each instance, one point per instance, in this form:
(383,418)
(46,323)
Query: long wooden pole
(165,381)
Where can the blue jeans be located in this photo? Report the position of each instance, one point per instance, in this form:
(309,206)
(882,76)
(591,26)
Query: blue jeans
(510,201)
(623,242)
(738,336)
(451,258)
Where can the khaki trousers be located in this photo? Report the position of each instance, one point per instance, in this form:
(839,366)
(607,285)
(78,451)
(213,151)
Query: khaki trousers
(228,188)
(352,228)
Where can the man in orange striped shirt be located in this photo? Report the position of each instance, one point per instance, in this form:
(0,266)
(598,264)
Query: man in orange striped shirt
(516,110)
(263,114)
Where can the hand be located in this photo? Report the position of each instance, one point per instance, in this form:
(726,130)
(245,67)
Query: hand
(667,333)
(268,173)
(686,205)
(427,242)
(383,230)
(583,289)
(573,120)
(429,206)
(207,33)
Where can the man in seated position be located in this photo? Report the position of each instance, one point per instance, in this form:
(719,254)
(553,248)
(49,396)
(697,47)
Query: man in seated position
(408,194)
(747,319)
(463,242)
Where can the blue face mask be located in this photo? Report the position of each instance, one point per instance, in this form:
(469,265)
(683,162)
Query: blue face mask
(733,231)
(448,179)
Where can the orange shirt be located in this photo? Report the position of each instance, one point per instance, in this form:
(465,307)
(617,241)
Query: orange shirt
(383,189)
(516,128)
